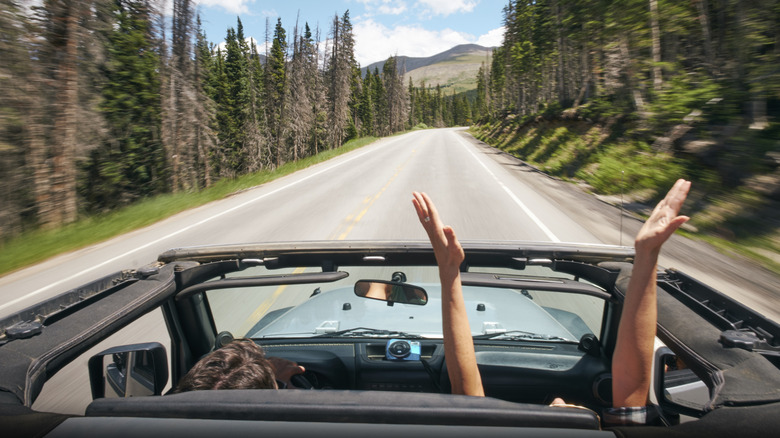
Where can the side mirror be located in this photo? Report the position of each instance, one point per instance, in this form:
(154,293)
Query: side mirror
(391,292)
(678,389)
(129,371)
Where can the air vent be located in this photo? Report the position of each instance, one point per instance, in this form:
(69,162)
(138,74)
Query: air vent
(602,389)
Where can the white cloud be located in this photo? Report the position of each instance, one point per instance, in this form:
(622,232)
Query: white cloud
(447,7)
(384,7)
(259,49)
(425,8)
(494,38)
(376,42)
(232,6)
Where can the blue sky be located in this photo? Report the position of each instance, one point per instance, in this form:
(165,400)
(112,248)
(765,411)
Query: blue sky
(382,28)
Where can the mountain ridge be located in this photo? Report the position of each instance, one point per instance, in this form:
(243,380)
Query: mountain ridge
(412,63)
(455,69)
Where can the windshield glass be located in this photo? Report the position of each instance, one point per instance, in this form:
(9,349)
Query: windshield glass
(333,309)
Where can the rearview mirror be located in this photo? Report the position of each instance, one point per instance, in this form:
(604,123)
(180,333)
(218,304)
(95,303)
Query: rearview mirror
(391,292)
(129,371)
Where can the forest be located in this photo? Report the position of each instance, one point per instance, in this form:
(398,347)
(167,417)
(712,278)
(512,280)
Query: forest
(107,102)
(624,97)
(636,56)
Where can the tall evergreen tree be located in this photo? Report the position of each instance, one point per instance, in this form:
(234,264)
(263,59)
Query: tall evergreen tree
(381,105)
(366,106)
(62,31)
(131,162)
(22,152)
(235,104)
(276,87)
(397,98)
(256,125)
(340,74)
(205,136)
(319,97)
(300,110)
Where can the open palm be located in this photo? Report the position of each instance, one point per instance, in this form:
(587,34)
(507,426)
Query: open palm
(665,219)
(449,253)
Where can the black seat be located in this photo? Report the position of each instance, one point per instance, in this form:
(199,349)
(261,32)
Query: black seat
(346,407)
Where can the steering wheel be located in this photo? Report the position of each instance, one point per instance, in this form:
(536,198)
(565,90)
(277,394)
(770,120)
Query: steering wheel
(300,381)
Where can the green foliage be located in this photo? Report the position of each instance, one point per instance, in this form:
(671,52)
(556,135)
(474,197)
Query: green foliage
(351,131)
(275,88)
(631,167)
(688,95)
(234,103)
(131,164)
(38,245)
(582,151)
(606,108)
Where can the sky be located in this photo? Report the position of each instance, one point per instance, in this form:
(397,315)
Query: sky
(382,28)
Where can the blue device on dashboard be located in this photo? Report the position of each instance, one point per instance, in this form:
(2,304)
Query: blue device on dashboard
(401,349)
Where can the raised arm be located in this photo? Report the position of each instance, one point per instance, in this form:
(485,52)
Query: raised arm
(458,344)
(633,358)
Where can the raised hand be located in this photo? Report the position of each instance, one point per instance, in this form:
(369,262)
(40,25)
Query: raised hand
(633,357)
(449,253)
(458,344)
(664,220)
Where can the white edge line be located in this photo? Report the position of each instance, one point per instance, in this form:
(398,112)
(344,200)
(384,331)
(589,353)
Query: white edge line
(517,200)
(187,228)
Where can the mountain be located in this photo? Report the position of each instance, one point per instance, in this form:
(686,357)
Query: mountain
(455,69)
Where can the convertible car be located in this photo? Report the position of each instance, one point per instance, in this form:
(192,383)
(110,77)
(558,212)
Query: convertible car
(364,319)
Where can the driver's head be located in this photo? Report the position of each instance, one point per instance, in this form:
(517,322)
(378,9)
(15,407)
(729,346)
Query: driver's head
(240,364)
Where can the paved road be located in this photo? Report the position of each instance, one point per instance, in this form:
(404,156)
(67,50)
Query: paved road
(363,195)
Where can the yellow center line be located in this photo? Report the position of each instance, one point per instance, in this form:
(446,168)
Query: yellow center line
(263,308)
(353,220)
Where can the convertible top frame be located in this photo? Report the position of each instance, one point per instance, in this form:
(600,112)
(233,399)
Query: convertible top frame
(744,384)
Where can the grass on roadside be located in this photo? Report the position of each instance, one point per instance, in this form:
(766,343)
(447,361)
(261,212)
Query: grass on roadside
(38,245)
(750,248)
(733,221)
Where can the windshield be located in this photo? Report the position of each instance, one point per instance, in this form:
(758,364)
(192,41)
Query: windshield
(333,309)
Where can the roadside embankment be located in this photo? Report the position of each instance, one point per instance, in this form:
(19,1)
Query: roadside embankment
(735,200)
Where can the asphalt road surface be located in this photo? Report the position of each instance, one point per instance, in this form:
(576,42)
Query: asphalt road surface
(366,195)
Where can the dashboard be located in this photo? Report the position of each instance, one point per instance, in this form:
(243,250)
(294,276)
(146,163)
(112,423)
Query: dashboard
(525,372)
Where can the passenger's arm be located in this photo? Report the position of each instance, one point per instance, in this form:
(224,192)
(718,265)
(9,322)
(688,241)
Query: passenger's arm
(633,357)
(458,344)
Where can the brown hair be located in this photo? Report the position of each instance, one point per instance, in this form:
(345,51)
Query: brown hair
(240,364)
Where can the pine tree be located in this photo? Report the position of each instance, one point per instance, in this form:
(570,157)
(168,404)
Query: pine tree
(319,97)
(235,105)
(397,98)
(180,107)
(300,112)
(340,74)
(366,106)
(256,124)
(131,163)
(22,151)
(205,136)
(275,89)
(381,105)
(61,26)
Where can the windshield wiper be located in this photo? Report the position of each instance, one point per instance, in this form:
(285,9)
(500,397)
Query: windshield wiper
(519,335)
(359,332)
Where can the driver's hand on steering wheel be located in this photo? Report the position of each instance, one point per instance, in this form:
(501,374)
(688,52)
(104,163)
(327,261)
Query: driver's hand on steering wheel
(284,369)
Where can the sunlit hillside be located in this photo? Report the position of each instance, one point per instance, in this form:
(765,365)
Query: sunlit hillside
(455,70)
